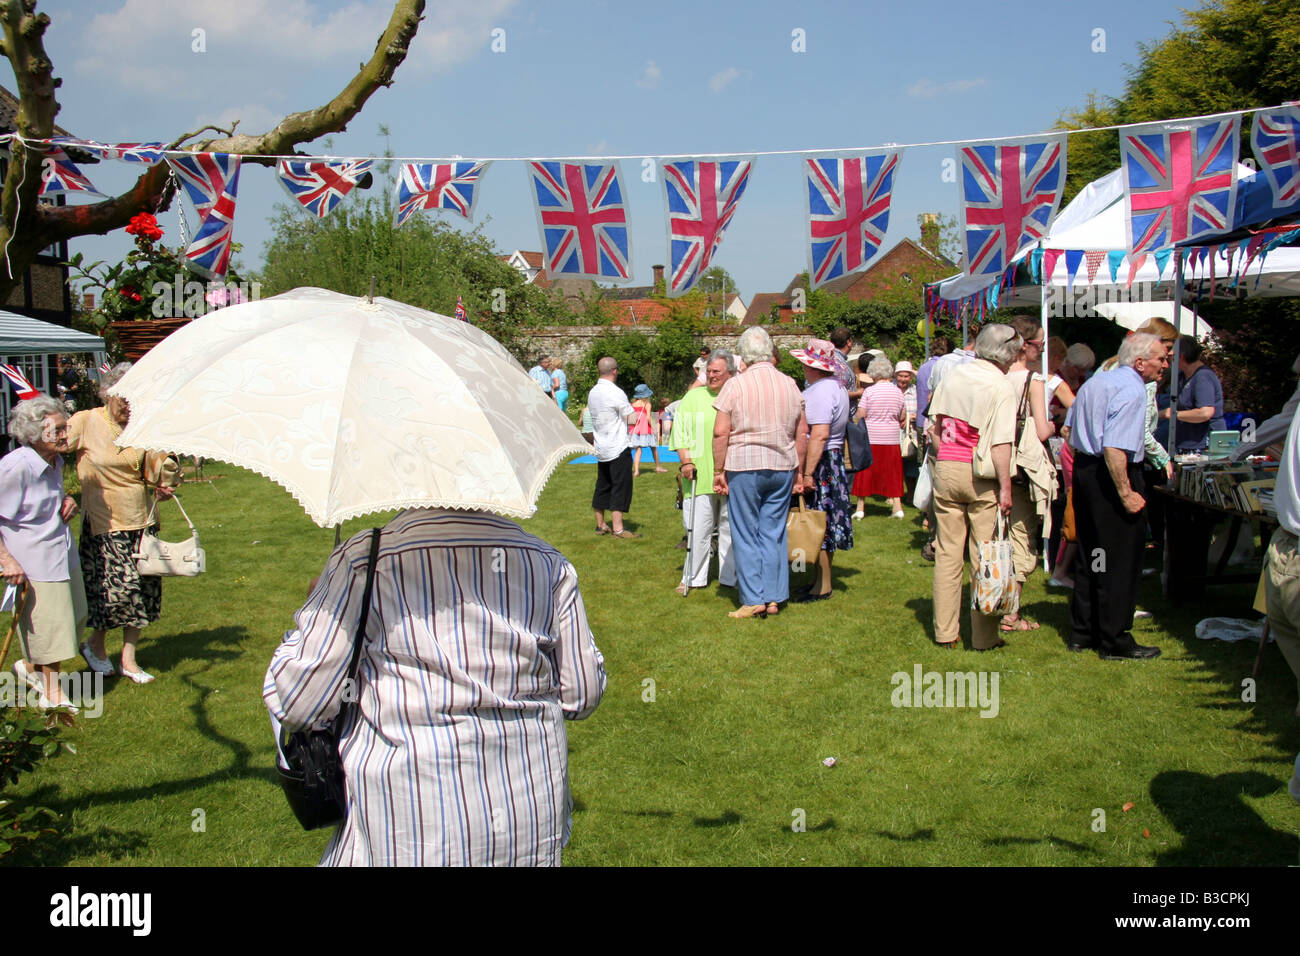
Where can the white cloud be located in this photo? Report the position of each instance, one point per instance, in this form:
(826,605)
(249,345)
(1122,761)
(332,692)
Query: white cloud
(600,149)
(650,78)
(926,87)
(720,81)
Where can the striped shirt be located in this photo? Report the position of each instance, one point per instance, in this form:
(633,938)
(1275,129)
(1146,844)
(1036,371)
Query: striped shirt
(880,406)
(477,650)
(765,406)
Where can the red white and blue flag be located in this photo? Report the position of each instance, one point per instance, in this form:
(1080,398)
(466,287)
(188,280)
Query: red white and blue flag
(25,388)
(60,176)
(211,180)
(451,186)
(1275,140)
(1010,194)
(105,368)
(460,310)
(701,198)
(145,153)
(320,186)
(582,217)
(848,211)
(1180,181)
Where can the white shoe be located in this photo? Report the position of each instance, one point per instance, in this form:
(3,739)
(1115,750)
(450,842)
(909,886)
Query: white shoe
(859,515)
(27,677)
(1139,614)
(100,665)
(45,703)
(898,514)
(138,677)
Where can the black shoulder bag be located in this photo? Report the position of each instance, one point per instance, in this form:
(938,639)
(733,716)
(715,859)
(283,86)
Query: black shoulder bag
(313,782)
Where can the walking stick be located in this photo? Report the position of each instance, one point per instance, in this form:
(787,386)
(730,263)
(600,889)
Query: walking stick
(690,544)
(20,603)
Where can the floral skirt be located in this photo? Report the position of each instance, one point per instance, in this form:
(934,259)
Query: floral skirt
(830,493)
(116,594)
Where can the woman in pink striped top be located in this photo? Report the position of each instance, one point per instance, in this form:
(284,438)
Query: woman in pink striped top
(884,409)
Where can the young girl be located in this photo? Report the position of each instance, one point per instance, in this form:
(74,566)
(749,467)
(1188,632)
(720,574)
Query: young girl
(642,431)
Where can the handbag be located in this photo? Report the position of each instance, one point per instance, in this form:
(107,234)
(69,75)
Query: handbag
(805,531)
(857,447)
(155,557)
(907,441)
(312,773)
(994,589)
(923,496)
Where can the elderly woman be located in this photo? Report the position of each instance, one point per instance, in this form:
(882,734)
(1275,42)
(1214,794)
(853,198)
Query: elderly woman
(476,651)
(821,461)
(972,426)
(118,486)
(760,413)
(884,409)
(1034,486)
(36,552)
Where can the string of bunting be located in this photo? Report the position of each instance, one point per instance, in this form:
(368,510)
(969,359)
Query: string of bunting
(1180,187)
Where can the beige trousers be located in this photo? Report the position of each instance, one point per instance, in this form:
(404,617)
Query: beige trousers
(966,510)
(1024,532)
(1283,594)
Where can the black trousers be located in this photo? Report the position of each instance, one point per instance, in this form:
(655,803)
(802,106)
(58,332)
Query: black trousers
(1109,563)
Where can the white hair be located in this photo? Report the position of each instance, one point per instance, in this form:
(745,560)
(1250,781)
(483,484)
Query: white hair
(998,343)
(726,356)
(1139,345)
(880,368)
(27,420)
(755,345)
(1080,356)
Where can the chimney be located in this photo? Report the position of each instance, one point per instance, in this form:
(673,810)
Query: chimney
(659,278)
(930,232)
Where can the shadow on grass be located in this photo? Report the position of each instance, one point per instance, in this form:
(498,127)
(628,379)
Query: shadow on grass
(1031,841)
(63,846)
(917,836)
(728,818)
(1217,826)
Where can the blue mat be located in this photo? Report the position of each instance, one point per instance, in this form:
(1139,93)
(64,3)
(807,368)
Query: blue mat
(666,456)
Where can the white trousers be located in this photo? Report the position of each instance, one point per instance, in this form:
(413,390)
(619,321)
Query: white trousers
(707,512)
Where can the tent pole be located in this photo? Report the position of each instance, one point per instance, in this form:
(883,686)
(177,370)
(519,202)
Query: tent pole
(1173,371)
(1047,399)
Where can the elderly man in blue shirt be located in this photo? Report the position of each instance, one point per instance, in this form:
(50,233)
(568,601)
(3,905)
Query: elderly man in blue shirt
(1107,432)
(541,374)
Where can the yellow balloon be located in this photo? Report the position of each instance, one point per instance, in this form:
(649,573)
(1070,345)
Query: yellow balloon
(920,328)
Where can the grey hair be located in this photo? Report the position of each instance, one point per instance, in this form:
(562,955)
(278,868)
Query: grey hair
(998,344)
(27,419)
(726,356)
(1138,346)
(880,368)
(1080,356)
(755,345)
(112,377)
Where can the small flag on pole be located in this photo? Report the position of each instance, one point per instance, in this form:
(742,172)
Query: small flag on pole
(105,368)
(460,310)
(25,388)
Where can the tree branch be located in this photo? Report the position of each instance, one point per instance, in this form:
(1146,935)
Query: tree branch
(27,226)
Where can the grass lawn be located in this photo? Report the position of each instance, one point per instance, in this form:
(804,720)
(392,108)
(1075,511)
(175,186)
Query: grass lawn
(709,745)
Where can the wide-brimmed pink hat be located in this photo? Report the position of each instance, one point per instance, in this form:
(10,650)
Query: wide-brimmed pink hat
(819,354)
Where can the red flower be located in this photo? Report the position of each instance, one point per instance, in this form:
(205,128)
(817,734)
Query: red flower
(144,225)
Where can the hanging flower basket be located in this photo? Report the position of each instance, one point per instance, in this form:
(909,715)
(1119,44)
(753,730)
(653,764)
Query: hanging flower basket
(138,337)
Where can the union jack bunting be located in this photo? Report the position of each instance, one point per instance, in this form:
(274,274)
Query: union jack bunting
(451,186)
(1180,181)
(848,211)
(701,197)
(211,181)
(104,368)
(582,216)
(320,186)
(147,153)
(460,310)
(60,176)
(1010,194)
(1275,140)
(25,388)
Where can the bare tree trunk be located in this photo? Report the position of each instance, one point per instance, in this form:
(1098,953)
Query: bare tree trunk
(27,226)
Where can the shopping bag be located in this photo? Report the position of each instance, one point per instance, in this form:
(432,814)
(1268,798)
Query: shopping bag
(993,588)
(857,448)
(923,496)
(805,530)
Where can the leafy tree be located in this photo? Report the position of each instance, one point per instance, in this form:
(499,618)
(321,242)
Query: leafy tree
(425,262)
(663,361)
(714,284)
(28,226)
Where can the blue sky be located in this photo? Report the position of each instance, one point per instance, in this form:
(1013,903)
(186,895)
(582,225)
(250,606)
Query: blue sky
(623,78)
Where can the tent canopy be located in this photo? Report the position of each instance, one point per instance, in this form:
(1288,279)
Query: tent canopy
(21,335)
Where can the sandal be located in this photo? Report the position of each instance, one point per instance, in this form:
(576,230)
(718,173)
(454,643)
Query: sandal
(948,645)
(773,609)
(1013,622)
(600,531)
(624,534)
(682,590)
(749,610)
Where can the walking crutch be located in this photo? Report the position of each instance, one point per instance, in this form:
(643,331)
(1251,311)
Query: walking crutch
(690,542)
